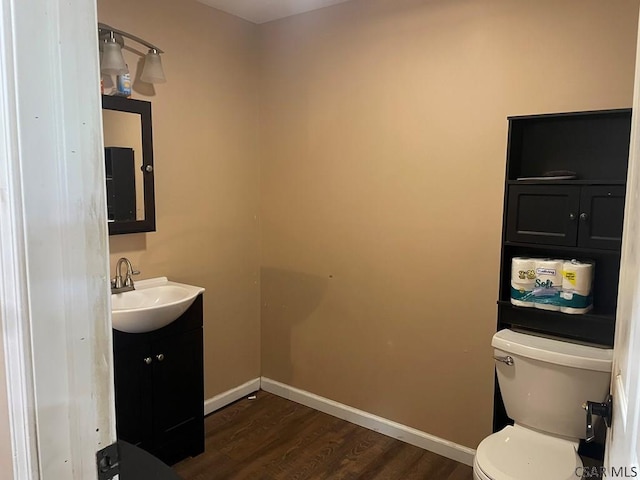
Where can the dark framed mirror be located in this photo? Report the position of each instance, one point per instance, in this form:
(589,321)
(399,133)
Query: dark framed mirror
(128,151)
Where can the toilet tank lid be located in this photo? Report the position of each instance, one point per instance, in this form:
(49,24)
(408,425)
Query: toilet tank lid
(553,351)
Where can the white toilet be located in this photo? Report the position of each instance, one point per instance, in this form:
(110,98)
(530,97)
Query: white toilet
(544,383)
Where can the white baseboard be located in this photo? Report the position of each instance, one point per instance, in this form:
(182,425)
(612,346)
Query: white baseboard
(225,398)
(407,434)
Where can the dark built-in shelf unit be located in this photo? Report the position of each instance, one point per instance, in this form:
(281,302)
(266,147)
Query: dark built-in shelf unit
(572,218)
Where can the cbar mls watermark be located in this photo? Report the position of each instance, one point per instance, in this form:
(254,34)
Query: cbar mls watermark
(607,472)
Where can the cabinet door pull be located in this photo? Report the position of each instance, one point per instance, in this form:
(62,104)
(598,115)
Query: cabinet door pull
(160,357)
(572,216)
(584,217)
(148,360)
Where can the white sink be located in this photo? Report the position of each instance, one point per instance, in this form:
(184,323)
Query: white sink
(154,304)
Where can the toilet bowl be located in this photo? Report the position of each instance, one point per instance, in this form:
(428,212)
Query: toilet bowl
(517,453)
(543,382)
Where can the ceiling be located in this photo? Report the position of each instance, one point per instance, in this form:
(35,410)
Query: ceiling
(261,11)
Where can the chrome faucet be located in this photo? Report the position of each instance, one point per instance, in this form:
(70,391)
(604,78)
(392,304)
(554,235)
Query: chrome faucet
(119,283)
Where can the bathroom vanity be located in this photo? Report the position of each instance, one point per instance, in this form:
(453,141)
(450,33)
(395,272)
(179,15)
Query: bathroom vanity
(159,387)
(565,216)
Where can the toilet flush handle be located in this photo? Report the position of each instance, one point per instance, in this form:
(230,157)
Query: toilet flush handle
(602,410)
(508,359)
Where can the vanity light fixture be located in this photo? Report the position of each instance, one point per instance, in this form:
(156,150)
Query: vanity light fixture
(112,60)
(112,63)
(152,71)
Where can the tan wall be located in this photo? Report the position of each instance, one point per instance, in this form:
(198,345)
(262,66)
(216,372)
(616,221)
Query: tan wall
(207,172)
(383,139)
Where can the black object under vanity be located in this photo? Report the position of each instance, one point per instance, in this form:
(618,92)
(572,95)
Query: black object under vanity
(564,198)
(159,387)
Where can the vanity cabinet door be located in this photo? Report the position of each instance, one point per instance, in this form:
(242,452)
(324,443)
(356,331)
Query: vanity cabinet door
(178,403)
(133,389)
(543,214)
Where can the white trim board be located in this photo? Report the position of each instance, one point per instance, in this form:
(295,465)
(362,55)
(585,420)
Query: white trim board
(54,314)
(18,449)
(225,398)
(387,427)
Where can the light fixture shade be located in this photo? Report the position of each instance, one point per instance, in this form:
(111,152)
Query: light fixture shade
(152,71)
(112,60)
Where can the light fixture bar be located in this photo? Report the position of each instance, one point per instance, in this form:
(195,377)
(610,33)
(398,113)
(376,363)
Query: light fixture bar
(104,29)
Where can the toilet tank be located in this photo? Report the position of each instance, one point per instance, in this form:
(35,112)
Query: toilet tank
(550,380)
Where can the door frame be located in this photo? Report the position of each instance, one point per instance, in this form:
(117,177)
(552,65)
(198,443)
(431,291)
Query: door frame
(622,447)
(55,319)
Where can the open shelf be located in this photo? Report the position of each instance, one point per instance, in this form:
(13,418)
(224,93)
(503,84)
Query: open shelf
(566,182)
(595,145)
(593,327)
(573,251)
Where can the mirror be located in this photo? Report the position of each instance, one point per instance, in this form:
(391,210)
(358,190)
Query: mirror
(128,151)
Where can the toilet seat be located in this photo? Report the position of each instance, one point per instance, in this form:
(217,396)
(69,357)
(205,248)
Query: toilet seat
(478,474)
(517,453)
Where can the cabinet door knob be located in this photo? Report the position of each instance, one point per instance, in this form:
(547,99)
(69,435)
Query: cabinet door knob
(572,216)
(584,217)
(148,360)
(160,357)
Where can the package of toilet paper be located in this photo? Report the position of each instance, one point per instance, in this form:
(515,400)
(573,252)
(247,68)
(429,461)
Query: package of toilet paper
(548,284)
(577,284)
(523,277)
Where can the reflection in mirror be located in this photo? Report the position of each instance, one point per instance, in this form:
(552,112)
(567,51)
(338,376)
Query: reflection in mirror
(128,165)
(123,151)
(121,184)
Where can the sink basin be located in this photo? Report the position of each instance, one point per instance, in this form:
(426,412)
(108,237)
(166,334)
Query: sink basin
(154,304)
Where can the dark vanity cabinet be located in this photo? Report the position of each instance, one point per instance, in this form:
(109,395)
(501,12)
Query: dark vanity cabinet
(159,387)
(563,217)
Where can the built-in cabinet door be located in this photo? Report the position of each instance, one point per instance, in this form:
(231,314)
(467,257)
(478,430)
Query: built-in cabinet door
(601,215)
(178,401)
(132,371)
(543,214)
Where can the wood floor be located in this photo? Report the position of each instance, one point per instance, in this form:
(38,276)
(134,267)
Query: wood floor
(272,438)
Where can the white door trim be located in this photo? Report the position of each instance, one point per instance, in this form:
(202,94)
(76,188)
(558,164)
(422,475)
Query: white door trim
(622,450)
(14,307)
(54,299)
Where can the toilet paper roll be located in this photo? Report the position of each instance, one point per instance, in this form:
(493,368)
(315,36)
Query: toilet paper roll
(572,299)
(520,303)
(577,281)
(523,271)
(548,284)
(575,311)
(549,273)
(523,276)
(548,306)
(522,295)
(577,276)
